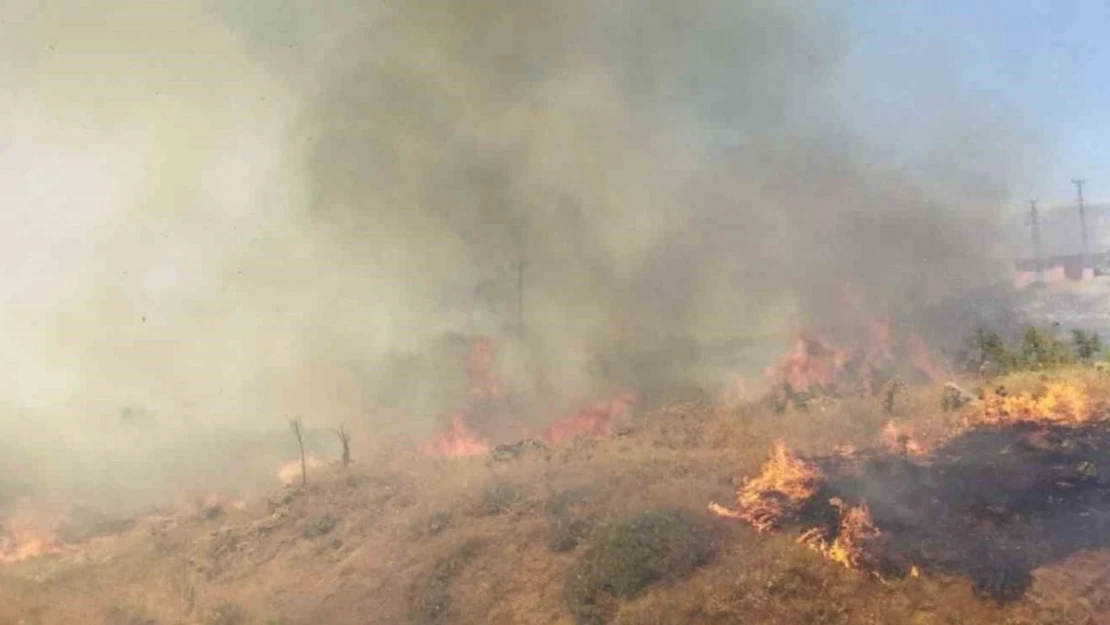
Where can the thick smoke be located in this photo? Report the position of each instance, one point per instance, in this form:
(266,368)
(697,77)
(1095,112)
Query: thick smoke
(662,173)
(225,216)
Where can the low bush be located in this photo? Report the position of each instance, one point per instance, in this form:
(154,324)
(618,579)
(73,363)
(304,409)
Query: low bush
(430,525)
(227,614)
(567,521)
(1036,350)
(320,526)
(500,497)
(624,559)
(430,597)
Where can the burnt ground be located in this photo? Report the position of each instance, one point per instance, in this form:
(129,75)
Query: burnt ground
(993,504)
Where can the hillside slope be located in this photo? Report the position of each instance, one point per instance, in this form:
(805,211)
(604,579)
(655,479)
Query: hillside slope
(402,538)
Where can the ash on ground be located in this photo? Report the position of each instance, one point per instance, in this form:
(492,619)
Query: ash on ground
(994,503)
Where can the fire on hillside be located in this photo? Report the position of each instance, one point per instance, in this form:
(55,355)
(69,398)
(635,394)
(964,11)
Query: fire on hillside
(1020,483)
(598,418)
(817,366)
(29,531)
(813,367)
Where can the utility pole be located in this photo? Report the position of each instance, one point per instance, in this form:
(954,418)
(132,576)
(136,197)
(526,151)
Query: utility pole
(1078,182)
(520,297)
(522,254)
(1035,223)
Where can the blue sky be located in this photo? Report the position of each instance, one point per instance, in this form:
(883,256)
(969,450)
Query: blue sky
(1043,63)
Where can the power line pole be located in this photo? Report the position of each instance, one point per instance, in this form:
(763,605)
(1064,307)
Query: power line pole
(1035,222)
(1078,182)
(521,262)
(520,297)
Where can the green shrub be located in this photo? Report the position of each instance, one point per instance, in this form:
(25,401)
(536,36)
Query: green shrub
(1037,350)
(430,597)
(656,545)
(431,525)
(499,497)
(227,614)
(567,522)
(989,347)
(1088,345)
(320,526)
(212,512)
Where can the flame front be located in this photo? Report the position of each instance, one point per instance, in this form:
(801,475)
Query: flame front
(899,440)
(290,472)
(810,363)
(788,483)
(855,530)
(922,358)
(814,364)
(28,533)
(1057,402)
(458,441)
(597,419)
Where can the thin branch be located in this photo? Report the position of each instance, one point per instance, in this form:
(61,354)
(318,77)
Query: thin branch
(345,439)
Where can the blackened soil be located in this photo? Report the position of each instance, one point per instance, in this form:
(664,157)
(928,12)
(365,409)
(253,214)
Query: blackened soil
(994,503)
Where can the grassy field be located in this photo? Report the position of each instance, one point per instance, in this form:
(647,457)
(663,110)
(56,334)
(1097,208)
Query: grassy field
(602,530)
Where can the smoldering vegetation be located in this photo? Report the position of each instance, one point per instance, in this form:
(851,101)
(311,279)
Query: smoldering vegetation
(992,504)
(279,211)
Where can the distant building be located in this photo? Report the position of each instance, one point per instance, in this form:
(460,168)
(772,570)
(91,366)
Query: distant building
(1062,246)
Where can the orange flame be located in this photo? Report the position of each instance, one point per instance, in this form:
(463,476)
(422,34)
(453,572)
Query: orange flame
(484,384)
(290,472)
(922,359)
(484,381)
(597,419)
(880,344)
(814,363)
(901,441)
(1057,402)
(811,362)
(457,442)
(29,532)
(856,529)
(785,484)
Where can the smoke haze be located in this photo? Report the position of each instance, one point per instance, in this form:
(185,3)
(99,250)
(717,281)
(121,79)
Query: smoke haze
(221,216)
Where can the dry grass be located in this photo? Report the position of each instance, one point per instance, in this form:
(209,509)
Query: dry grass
(398,523)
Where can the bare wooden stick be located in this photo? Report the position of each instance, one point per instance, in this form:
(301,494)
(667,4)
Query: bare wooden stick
(296,425)
(345,439)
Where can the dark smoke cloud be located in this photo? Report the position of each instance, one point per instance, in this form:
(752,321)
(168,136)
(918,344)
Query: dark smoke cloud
(239,213)
(657,167)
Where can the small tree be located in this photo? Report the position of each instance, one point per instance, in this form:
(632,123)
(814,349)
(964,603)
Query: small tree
(1039,350)
(345,440)
(297,431)
(1087,345)
(988,346)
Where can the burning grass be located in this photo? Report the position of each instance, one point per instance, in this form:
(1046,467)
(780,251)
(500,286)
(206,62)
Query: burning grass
(1061,401)
(782,488)
(816,366)
(993,502)
(30,531)
(486,405)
